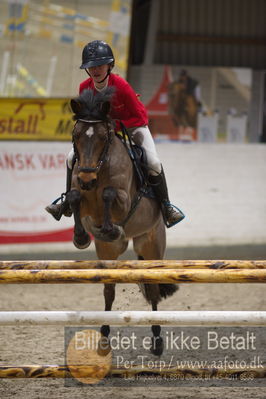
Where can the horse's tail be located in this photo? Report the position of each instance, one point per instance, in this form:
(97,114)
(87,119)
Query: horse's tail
(165,290)
(152,295)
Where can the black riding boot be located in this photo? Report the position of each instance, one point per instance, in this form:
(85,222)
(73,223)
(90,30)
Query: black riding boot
(171,214)
(57,210)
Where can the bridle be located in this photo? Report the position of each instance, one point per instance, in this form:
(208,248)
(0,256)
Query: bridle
(103,156)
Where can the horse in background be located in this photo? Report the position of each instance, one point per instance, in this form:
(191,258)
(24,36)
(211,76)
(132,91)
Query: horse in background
(103,200)
(183,107)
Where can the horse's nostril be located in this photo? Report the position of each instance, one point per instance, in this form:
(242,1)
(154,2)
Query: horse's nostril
(80,182)
(87,185)
(93,183)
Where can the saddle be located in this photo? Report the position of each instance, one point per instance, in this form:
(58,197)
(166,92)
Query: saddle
(138,157)
(141,164)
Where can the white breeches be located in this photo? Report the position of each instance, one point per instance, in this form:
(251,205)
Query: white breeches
(142,137)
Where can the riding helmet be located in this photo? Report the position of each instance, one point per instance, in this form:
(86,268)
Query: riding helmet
(97,53)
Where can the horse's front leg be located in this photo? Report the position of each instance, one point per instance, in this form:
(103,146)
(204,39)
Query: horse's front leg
(109,231)
(81,238)
(108,197)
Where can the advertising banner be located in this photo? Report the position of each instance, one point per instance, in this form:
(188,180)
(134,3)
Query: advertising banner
(32,175)
(35,119)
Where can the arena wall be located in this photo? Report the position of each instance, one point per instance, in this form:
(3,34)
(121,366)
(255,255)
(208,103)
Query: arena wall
(220,188)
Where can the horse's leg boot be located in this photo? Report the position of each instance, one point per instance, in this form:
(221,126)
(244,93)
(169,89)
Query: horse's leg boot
(171,214)
(57,210)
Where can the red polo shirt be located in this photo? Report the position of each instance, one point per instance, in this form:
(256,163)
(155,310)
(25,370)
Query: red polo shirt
(125,104)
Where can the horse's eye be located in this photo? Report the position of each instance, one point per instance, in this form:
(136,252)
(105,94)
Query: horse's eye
(77,131)
(75,135)
(103,137)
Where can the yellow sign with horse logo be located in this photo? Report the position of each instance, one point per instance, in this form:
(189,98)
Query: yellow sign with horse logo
(35,119)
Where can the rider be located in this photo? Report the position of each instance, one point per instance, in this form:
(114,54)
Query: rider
(191,85)
(98,61)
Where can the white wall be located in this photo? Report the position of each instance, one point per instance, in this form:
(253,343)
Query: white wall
(221,189)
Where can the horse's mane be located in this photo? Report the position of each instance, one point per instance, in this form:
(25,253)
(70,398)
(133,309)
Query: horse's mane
(90,104)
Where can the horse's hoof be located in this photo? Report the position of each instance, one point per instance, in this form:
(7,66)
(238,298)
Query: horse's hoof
(105,330)
(156,346)
(82,242)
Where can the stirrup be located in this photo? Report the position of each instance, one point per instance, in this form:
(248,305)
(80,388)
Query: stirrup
(66,210)
(62,198)
(54,210)
(168,204)
(63,208)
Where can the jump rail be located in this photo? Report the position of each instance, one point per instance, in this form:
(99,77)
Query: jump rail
(139,318)
(132,264)
(166,271)
(149,276)
(57,371)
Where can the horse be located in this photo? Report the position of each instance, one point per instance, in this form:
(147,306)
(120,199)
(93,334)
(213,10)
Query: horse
(182,106)
(102,197)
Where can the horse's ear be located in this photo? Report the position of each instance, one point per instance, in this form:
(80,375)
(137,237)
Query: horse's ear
(75,106)
(105,107)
